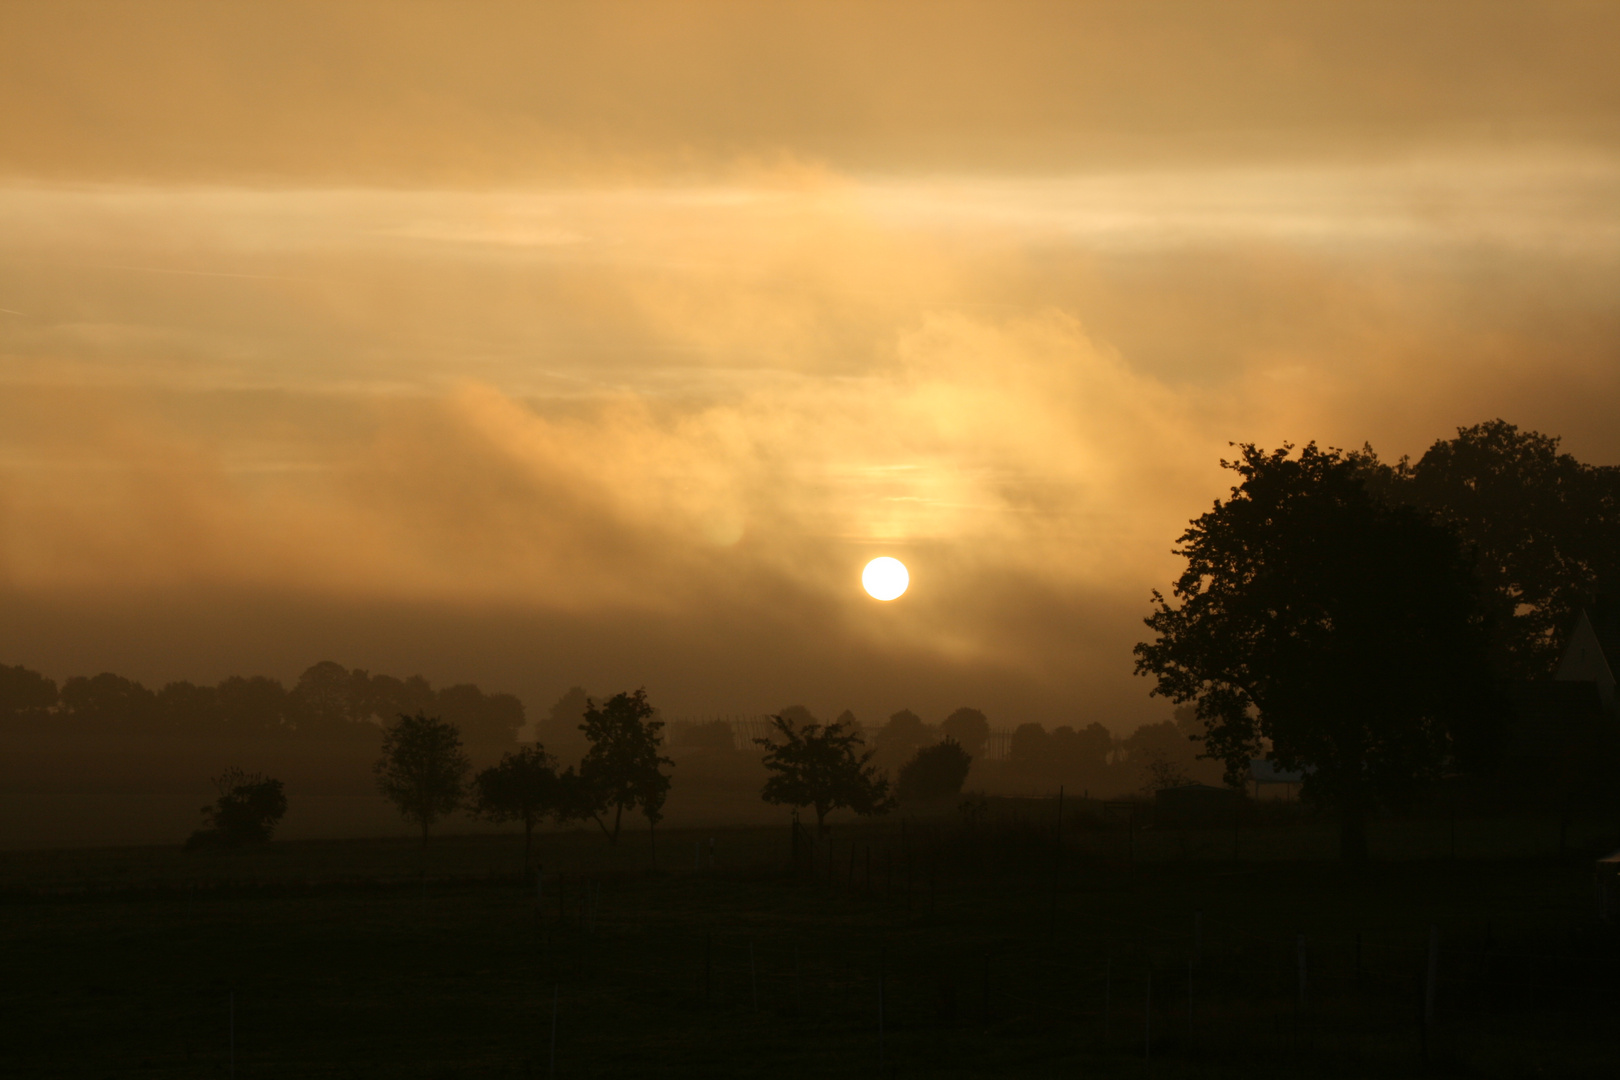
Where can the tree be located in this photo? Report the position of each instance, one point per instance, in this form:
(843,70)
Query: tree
(24,694)
(969,728)
(1343,633)
(822,766)
(1081,756)
(106,700)
(1029,750)
(1544,527)
(1161,753)
(934,772)
(423,770)
(560,727)
(249,807)
(902,736)
(623,764)
(523,787)
(1159,771)
(485,720)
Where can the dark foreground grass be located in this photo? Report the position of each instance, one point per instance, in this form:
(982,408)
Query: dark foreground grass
(937,952)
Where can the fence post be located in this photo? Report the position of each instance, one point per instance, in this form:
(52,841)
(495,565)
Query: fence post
(882,963)
(1189,1003)
(1430,983)
(1057,866)
(553,1029)
(1300,949)
(1147,1019)
(1108,999)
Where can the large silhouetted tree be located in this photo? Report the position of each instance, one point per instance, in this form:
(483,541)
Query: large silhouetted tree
(423,770)
(1342,633)
(1543,526)
(822,766)
(624,764)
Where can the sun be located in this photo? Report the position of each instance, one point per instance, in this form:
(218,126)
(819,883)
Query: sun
(885,578)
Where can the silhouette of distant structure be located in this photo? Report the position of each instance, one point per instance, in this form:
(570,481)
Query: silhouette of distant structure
(1264,772)
(1593,653)
(1187,805)
(1562,743)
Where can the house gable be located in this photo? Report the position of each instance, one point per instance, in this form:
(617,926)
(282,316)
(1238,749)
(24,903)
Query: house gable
(1593,652)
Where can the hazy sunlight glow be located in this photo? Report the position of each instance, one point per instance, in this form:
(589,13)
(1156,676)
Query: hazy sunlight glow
(885,578)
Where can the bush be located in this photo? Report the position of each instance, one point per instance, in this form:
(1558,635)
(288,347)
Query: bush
(935,772)
(249,807)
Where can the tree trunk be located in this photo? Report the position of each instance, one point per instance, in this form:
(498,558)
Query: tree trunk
(652,835)
(528,843)
(618,812)
(821,820)
(424,835)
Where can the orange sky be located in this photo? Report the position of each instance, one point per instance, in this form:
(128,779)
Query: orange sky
(602,344)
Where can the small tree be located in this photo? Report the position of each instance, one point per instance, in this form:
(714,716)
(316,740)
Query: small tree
(523,787)
(423,770)
(934,772)
(249,807)
(1160,771)
(822,766)
(578,799)
(623,764)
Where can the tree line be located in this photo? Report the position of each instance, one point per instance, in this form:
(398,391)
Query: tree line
(327,701)
(424,772)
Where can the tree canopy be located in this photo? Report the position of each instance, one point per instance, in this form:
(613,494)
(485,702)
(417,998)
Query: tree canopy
(1544,529)
(934,772)
(822,766)
(1324,629)
(969,727)
(523,787)
(249,807)
(423,770)
(624,765)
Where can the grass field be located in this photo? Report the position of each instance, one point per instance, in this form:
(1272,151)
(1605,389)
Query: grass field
(909,949)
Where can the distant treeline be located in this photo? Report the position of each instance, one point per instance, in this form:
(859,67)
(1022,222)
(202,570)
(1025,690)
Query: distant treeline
(1088,757)
(328,702)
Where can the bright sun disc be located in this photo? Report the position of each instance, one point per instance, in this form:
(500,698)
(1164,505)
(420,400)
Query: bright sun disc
(885,578)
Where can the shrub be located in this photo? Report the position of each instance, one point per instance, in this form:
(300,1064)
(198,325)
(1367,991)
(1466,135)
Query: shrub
(249,807)
(934,772)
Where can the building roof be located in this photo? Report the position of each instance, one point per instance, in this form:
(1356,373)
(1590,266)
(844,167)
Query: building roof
(1262,771)
(1604,615)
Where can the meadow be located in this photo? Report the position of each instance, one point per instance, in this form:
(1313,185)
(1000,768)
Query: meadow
(925,946)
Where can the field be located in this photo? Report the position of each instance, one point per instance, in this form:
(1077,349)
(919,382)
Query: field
(917,948)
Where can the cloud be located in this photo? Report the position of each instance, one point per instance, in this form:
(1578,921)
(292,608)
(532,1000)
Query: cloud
(677,419)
